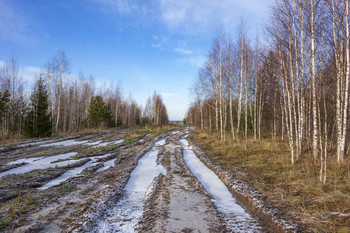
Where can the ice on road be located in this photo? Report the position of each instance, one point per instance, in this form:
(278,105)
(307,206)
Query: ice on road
(125,215)
(238,219)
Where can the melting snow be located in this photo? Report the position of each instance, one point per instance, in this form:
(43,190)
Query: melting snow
(73,142)
(109,143)
(238,219)
(93,143)
(39,163)
(184,143)
(160,142)
(68,174)
(70,142)
(33,143)
(125,215)
(72,172)
(106,165)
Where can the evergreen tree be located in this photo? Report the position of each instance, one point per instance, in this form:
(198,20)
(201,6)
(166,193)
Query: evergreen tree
(4,104)
(99,114)
(39,123)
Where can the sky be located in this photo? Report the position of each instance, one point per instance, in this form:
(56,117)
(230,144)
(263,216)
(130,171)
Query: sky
(147,45)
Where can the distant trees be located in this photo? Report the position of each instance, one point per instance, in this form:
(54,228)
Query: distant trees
(38,122)
(72,103)
(295,89)
(155,112)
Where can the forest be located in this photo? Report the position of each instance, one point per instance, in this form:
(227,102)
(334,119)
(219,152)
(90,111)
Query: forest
(294,86)
(60,103)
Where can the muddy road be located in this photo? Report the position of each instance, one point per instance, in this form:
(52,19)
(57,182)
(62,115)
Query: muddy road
(105,182)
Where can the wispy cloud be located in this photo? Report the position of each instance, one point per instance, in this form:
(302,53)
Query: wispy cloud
(122,7)
(198,17)
(15,26)
(195,17)
(27,73)
(183,51)
(160,42)
(196,61)
(2,64)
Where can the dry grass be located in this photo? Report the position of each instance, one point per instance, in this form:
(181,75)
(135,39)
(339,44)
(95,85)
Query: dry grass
(153,131)
(294,189)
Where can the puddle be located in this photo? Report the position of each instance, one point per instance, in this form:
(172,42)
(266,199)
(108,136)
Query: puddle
(237,218)
(39,163)
(125,215)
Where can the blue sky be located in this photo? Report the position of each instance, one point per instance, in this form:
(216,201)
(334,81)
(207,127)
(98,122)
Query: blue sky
(147,45)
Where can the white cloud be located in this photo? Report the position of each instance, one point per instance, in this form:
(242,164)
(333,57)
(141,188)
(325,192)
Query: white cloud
(197,17)
(183,51)
(197,61)
(15,26)
(194,17)
(122,7)
(27,73)
(2,64)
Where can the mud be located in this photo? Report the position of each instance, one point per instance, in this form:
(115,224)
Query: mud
(175,201)
(179,203)
(271,218)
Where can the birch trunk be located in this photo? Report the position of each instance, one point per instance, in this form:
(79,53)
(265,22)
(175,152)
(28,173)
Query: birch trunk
(313,72)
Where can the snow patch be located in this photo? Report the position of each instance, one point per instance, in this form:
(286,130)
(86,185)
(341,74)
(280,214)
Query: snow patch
(109,143)
(160,142)
(39,163)
(68,174)
(106,165)
(238,219)
(174,132)
(70,142)
(72,172)
(125,216)
(33,143)
(93,143)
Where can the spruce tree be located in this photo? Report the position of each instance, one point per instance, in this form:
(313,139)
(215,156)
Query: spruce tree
(39,123)
(99,114)
(4,104)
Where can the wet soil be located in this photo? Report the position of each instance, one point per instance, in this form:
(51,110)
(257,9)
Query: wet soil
(175,201)
(180,203)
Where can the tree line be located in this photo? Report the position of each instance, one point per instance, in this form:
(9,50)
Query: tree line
(67,104)
(295,87)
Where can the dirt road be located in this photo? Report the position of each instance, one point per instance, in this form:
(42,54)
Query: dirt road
(151,185)
(164,195)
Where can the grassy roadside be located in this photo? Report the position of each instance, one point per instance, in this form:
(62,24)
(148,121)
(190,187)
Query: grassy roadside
(294,189)
(147,132)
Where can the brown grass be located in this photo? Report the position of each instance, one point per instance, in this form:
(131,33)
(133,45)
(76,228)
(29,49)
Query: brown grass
(294,189)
